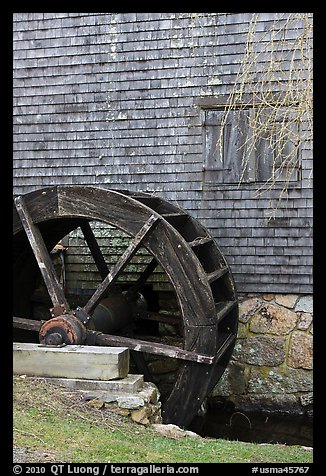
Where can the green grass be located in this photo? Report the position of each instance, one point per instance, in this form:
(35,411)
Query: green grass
(55,421)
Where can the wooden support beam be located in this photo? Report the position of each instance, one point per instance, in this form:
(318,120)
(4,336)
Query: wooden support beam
(229,340)
(154,348)
(132,344)
(26,324)
(42,255)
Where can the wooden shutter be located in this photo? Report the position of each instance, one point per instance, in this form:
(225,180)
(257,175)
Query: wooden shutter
(277,155)
(246,158)
(225,167)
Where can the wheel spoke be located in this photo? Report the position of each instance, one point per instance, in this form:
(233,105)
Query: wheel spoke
(27,324)
(132,291)
(121,264)
(41,255)
(95,249)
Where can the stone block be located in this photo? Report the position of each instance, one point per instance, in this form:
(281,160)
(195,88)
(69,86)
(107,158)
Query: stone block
(301,351)
(307,399)
(130,401)
(242,331)
(275,403)
(173,431)
(148,394)
(273,319)
(268,297)
(233,381)
(248,307)
(275,381)
(286,300)
(304,304)
(304,321)
(71,361)
(141,415)
(260,350)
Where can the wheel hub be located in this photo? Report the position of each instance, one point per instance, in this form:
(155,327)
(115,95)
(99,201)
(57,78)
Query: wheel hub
(65,329)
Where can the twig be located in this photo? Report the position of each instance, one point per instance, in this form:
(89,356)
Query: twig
(26,433)
(242,414)
(275,125)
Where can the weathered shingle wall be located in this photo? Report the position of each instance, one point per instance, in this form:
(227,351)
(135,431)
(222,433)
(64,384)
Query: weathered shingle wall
(114,100)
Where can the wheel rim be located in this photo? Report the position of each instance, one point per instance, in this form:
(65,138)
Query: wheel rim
(195,266)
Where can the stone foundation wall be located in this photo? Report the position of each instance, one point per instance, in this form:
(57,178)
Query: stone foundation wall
(143,407)
(272,364)
(271,369)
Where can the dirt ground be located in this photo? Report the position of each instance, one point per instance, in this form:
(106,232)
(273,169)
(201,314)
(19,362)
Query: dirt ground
(23,455)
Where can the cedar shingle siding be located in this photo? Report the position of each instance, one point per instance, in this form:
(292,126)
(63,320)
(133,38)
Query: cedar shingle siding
(120,100)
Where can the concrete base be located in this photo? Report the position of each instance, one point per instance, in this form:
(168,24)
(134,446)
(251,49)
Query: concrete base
(99,373)
(130,384)
(72,361)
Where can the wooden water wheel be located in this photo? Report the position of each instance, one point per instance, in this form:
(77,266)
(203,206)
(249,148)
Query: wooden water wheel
(179,244)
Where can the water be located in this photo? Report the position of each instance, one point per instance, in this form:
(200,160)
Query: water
(255,427)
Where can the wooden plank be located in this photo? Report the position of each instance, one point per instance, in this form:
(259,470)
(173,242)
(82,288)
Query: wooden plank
(200,241)
(176,218)
(95,249)
(121,264)
(149,201)
(41,254)
(102,205)
(223,308)
(228,341)
(169,216)
(41,203)
(216,274)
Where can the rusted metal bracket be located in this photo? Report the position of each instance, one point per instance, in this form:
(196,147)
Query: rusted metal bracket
(58,310)
(82,315)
